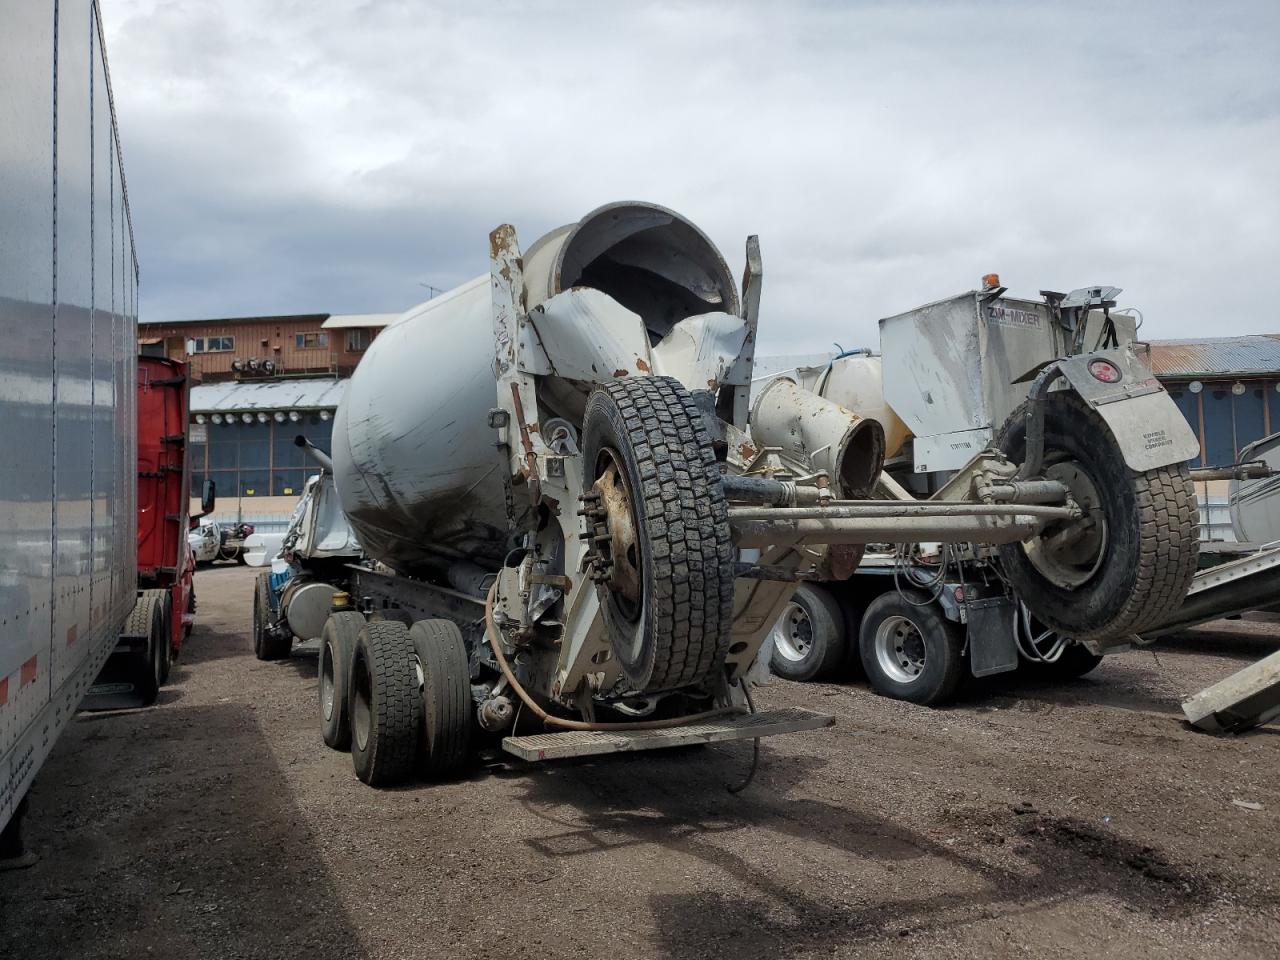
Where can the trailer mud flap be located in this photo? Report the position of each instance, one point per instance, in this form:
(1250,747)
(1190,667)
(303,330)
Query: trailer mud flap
(992,646)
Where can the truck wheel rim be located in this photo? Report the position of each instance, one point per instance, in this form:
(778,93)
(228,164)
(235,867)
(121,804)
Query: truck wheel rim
(326,682)
(1069,554)
(361,709)
(793,633)
(900,650)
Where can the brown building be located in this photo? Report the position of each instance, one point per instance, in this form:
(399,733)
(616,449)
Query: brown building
(256,348)
(258,382)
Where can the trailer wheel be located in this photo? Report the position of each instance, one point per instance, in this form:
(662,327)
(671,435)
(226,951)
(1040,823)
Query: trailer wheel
(1076,660)
(808,641)
(1130,560)
(269,643)
(337,643)
(910,651)
(392,613)
(191,611)
(663,553)
(385,704)
(146,620)
(164,650)
(446,695)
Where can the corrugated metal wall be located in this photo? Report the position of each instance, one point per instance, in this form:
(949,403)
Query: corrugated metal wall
(68,321)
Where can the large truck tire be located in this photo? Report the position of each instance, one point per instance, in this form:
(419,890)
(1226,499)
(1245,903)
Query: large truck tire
(145,667)
(808,641)
(666,570)
(910,651)
(446,696)
(1074,662)
(385,704)
(337,644)
(268,643)
(165,652)
(188,626)
(1131,560)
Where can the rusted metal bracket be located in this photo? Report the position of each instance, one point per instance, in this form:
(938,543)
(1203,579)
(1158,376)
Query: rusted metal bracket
(516,394)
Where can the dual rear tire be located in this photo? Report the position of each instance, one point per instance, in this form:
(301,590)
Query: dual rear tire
(907,652)
(399,697)
(270,642)
(907,648)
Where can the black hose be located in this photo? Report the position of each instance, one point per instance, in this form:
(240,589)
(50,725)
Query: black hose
(1033,455)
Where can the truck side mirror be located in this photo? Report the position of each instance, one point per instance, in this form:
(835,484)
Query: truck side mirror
(208,496)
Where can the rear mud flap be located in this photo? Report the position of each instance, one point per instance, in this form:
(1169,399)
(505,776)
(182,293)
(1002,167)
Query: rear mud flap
(992,646)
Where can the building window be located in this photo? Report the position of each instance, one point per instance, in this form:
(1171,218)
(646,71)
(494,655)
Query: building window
(311,341)
(359,339)
(213,344)
(258,459)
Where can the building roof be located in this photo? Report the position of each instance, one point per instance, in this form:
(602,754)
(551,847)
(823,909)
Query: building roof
(1217,356)
(300,394)
(265,317)
(345,320)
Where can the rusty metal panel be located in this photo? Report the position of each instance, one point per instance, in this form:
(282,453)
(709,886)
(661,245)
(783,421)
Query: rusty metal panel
(1223,356)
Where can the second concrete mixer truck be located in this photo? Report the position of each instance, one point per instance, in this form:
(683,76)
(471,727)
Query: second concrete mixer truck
(558,527)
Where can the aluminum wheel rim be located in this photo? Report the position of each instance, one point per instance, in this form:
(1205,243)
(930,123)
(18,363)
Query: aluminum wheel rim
(361,707)
(900,650)
(326,682)
(793,633)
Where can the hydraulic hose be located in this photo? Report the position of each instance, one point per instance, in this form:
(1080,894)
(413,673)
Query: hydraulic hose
(494,637)
(1033,457)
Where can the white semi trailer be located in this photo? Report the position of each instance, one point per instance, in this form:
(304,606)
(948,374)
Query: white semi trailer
(571,541)
(68,317)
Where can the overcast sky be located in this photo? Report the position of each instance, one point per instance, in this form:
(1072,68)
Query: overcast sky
(289,156)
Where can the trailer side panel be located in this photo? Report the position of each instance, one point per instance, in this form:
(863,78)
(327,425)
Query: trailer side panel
(68,318)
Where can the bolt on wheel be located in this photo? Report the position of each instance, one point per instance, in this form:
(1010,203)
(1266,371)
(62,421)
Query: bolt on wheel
(900,649)
(793,633)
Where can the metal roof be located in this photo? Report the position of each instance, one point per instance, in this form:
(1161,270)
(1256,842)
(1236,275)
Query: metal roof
(345,320)
(280,318)
(300,394)
(1217,356)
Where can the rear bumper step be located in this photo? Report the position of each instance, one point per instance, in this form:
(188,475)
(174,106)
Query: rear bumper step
(584,743)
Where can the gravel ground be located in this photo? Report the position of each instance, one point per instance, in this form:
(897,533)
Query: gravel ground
(1076,821)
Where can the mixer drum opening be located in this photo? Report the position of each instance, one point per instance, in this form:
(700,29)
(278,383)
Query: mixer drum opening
(651,260)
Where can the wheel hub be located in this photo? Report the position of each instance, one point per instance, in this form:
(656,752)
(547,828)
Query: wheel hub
(615,551)
(899,649)
(1069,553)
(793,633)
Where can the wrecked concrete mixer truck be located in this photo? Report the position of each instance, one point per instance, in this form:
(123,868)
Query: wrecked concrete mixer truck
(573,540)
(954,377)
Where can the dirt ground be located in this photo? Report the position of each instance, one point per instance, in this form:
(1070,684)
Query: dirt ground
(1079,821)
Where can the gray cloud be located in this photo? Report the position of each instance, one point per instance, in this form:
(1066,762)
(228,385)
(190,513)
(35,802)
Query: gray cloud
(292,156)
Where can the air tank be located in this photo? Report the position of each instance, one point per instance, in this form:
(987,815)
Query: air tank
(414,460)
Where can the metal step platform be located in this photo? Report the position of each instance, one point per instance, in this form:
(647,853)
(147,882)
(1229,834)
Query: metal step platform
(584,743)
